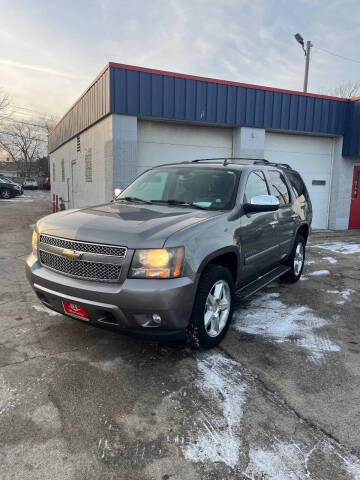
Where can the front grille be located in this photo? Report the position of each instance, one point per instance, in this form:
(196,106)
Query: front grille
(80,268)
(85,247)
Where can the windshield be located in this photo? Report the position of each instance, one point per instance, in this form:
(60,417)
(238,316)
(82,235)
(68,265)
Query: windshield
(205,188)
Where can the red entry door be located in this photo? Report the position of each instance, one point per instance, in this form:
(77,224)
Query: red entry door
(354,220)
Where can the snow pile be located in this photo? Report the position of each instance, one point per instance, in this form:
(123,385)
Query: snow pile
(282,323)
(217,438)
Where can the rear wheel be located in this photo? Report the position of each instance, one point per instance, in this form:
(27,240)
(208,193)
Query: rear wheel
(213,308)
(296,260)
(5,193)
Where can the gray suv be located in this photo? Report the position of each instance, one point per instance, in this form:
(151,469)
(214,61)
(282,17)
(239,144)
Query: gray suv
(170,255)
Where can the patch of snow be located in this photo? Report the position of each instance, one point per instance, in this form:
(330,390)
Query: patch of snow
(340,247)
(282,323)
(217,438)
(23,198)
(319,272)
(345,294)
(302,278)
(284,462)
(7,397)
(331,260)
(42,308)
(309,262)
(290,461)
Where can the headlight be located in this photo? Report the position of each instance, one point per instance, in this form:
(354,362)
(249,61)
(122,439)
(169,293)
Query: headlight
(35,237)
(157,263)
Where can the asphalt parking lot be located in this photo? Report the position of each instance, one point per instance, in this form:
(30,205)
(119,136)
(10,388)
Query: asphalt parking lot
(279,400)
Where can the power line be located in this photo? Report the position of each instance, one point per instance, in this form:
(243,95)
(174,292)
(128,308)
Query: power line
(30,110)
(31,138)
(26,123)
(336,55)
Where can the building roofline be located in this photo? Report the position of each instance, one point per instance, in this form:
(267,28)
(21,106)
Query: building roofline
(201,79)
(81,96)
(222,82)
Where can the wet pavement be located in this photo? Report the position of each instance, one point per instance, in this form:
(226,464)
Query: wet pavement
(278,400)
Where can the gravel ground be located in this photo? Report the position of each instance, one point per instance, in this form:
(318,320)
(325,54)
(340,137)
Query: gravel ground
(279,399)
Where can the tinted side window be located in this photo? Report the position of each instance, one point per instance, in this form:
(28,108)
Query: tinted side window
(279,187)
(296,183)
(256,185)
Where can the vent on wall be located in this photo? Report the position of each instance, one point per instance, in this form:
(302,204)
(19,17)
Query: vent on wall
(78,146)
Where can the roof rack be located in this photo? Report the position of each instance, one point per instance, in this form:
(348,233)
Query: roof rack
(244,161)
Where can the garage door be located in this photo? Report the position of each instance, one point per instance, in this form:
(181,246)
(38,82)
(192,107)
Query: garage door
(166,143)
(312,157)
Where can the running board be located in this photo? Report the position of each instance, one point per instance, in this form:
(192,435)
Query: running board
(245,292)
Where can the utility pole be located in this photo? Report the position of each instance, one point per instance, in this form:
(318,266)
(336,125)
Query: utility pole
(307,62)
(307,51)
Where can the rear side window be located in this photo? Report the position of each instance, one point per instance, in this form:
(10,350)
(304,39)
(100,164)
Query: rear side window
(279,187)
(297,183)
(256,185)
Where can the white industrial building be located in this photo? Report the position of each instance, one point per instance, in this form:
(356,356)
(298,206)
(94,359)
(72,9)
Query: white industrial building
(132,118)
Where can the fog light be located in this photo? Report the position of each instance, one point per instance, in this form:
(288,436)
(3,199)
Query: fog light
(156,318)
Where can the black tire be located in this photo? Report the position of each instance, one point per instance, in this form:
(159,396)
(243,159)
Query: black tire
(196,333)
(5,193)
(295,273)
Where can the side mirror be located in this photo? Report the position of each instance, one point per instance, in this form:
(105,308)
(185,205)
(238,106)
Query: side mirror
(262,203)
(116,193)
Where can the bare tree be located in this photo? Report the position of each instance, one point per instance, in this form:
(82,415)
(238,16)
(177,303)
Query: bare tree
(347,89)
(23,145)
(48,123)
(4,105)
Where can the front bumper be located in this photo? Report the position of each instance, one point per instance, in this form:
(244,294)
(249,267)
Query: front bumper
(128,306)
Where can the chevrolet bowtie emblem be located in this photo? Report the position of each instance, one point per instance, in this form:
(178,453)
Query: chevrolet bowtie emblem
(71,254)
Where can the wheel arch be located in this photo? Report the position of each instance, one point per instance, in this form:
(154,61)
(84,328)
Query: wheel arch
(228,257)
(304,231)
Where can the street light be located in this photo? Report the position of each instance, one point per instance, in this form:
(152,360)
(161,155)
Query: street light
(306,50)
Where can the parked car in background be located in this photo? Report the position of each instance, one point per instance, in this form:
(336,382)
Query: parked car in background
(30,183)
(9,189)
(166,256)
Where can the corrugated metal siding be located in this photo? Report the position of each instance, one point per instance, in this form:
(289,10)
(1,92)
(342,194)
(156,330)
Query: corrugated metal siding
(155,95)
(131,91)
(351,144)
(91,107)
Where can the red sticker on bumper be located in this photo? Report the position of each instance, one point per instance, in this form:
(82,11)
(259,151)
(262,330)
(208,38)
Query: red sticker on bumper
(75,310)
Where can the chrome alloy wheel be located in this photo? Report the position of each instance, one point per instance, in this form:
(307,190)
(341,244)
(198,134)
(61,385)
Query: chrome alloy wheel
(298,258)
(217,308)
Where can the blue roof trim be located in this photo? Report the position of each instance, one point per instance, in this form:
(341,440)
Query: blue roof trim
(129,90)
(351,143)
(161,96)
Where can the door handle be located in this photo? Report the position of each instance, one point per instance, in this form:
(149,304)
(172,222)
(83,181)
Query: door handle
(295,215)
(275,222)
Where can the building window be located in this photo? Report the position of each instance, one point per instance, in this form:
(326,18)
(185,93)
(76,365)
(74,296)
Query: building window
(88,165)
(53,172)
(62,170)
(78,145)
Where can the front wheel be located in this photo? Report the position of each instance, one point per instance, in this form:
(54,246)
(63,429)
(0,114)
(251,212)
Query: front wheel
(296,260)
(213,308)
(5,193)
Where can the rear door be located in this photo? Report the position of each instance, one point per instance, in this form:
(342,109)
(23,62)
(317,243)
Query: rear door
(258,231)
(288,219)
(354,220)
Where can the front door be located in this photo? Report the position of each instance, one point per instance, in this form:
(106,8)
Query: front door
(286,214)
(354,220)
(258,232)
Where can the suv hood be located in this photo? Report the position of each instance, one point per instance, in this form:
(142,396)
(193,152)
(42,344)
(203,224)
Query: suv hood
(131,225)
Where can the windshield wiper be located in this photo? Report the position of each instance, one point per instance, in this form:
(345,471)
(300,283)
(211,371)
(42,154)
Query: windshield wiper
(135,199)
(181,203)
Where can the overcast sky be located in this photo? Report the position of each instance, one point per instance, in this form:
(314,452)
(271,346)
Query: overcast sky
(51,50)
